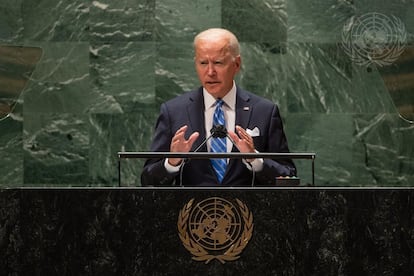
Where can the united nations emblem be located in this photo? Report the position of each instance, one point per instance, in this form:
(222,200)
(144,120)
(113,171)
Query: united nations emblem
(215,228)
(374,38)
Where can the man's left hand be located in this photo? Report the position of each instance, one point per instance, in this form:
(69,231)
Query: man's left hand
(243,141)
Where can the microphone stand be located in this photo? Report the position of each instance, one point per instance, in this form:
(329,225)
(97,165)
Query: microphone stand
(217,131)
(213,133)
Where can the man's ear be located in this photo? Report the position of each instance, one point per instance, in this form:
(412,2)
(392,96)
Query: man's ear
(237,63)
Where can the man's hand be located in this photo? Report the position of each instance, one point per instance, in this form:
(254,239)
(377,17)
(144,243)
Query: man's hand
(180,144)
(243,141)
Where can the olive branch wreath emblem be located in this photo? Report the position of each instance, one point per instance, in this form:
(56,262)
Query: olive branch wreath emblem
(374,38)
(201,254)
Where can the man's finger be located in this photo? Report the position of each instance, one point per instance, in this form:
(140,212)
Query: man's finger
(193,137)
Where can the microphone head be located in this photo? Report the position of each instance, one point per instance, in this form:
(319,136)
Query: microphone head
(218,131)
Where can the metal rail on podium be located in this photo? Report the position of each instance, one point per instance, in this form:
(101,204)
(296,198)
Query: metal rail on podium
(210,155)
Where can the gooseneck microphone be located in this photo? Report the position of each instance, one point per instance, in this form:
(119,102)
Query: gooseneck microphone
(217,131)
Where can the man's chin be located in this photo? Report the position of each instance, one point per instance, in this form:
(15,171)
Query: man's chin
(213,88)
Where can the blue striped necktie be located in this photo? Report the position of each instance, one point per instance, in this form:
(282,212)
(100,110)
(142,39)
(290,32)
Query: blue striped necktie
(219,144)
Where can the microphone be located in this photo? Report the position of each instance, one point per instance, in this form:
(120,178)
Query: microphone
(219,131)
(215,132)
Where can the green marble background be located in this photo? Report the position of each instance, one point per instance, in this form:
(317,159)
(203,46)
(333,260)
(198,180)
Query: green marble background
(107,65)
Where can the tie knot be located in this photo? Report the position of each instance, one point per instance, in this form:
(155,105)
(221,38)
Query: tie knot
(219,103)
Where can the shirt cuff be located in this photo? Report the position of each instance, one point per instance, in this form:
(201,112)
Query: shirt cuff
(170,168)
(256,165)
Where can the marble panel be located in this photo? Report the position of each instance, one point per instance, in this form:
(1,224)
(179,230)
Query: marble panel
(181,20)
(60,83)
(55,149)
(316,21)
(384,149)
(11,151)
(111,133)
(330,136)
(124,20)
(174,71)
(46,20)
(263,73)
(121,76)
(257,21)
(10,21)
(369,94)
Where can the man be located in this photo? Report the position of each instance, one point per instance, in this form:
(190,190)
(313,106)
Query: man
(184,123)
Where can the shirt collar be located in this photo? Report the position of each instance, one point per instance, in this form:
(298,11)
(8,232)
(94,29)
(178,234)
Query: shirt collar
(229,99)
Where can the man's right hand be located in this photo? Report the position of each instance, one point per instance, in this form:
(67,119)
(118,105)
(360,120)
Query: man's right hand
(180,144)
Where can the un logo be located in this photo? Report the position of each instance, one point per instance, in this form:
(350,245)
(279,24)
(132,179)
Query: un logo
(374,38)
(215,228)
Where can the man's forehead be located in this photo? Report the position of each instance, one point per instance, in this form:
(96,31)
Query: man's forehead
(213,44)
(214,52)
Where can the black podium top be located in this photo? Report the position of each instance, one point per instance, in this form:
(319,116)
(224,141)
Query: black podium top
(202,231)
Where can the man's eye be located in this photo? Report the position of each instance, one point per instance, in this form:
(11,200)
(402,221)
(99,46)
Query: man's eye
(218,62)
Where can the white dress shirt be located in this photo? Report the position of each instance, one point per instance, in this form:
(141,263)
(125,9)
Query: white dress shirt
(229,109)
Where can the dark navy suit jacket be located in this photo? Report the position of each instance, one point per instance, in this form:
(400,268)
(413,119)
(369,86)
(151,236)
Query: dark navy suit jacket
(188,109)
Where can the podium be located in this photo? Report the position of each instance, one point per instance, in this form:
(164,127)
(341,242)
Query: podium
(136,231)
(208,155)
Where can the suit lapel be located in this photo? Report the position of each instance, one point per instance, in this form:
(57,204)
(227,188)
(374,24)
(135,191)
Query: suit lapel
(243,108)
(195,113)
(243,112)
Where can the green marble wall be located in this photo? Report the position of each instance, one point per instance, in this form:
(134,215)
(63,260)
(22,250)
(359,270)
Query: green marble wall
(105,67)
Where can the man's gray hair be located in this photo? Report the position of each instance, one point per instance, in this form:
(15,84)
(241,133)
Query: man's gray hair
(219,33)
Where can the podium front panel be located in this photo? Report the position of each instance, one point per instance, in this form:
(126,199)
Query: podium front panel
(181,231)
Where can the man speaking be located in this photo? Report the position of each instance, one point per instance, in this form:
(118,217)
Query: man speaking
(217,117)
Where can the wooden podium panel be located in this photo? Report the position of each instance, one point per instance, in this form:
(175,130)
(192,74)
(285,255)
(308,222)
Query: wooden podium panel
(136,231)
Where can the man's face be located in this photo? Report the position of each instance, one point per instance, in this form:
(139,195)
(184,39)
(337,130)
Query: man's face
(215,66)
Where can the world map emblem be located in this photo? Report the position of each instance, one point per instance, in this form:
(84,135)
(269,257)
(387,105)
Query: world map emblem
(215,228)
(374,38)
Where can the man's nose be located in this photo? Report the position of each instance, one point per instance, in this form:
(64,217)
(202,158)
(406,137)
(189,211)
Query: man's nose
(211,70)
